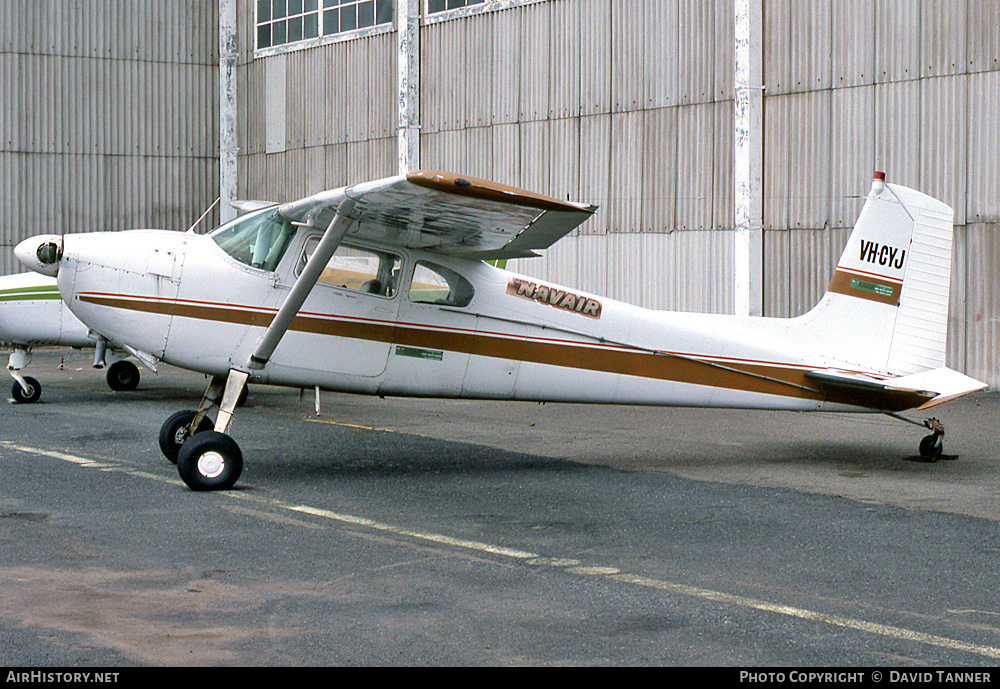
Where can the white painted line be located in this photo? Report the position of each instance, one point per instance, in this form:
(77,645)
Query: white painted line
(836,620)
(571,566)
(399,531)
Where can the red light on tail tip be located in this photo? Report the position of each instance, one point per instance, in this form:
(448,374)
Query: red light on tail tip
(880,176)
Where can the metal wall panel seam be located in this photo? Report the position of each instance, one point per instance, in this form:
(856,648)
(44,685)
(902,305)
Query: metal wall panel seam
(853,43)
(944,141)
(595,169)
(724,36)
(983,200)
(943,37)
(695,164)
(627,51)
(983,36)
(695,31)
(506,60)
(661,53)
(564,49)
(535,72)
(897,41)
(595,57)
(660,170)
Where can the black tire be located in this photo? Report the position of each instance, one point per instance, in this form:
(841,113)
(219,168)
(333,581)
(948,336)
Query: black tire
(29,397)
(931,447)
(123,376)
(210,461)
(174,432)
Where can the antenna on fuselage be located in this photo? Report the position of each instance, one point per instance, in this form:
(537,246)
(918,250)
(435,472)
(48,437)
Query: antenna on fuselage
(202,217)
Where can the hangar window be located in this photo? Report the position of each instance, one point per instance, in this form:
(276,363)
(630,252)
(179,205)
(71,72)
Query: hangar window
(280,22)
(434,6)
(435,11)
(434,284)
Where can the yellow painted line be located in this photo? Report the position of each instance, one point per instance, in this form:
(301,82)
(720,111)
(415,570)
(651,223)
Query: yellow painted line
(349,425)
(569,565)
(367,428)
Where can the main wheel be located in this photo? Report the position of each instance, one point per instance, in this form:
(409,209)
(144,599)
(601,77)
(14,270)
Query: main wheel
(932,446)
(210,461)
(123,376)
(30,396)
(175,431)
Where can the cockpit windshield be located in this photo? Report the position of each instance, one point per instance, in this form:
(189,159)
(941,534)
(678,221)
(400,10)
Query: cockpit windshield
(258,239)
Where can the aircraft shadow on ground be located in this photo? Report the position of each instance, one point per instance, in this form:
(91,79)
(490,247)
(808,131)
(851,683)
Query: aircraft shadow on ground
(369,454)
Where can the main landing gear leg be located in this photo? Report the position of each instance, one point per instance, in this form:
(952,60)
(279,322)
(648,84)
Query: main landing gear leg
(210,459)
(26,390)
(180,427)
(932,446)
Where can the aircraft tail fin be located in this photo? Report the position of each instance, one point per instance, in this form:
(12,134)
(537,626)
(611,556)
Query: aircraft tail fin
(886,308)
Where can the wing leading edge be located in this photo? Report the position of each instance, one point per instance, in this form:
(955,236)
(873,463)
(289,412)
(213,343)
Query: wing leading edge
(450,214)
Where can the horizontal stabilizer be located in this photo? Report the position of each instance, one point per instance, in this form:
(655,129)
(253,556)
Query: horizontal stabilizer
(944,383)
(923,390)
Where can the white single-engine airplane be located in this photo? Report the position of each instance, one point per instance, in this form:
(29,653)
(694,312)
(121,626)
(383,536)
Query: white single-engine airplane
(382,288)
(33,315)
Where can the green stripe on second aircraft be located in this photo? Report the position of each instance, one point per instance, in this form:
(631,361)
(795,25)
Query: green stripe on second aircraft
(26,293)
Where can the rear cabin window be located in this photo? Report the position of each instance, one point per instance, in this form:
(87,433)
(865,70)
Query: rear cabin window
(258,239)
(434,284)
(357,269)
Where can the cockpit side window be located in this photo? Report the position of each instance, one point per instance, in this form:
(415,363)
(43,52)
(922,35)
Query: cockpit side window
(257,239)
(357,269)
(434,284)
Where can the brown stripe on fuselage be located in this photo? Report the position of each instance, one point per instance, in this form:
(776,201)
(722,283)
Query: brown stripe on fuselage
(864,286)
(771,379)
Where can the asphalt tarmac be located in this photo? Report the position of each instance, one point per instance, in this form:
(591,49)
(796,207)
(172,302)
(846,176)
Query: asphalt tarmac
(393,532)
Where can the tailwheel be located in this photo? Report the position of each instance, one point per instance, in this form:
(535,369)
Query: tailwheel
(176,430)
(932,446)
(210,461)
(26,391)
(123,376)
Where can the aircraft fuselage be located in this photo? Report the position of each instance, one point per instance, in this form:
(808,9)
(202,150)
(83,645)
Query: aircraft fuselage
(182,299)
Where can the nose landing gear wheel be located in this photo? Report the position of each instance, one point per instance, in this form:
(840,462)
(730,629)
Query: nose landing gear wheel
(29,396)
(123,376)
(210,461)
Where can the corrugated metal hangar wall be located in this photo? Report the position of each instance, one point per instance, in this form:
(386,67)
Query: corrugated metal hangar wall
(109,120)
(108,116)
(629,104)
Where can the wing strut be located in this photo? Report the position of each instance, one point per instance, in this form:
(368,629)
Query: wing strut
(303,286)
(232,387)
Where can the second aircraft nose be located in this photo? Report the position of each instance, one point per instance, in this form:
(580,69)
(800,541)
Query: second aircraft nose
(41,253)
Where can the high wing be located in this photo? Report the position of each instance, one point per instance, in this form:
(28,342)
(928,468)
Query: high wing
(434,211)
(446,213)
